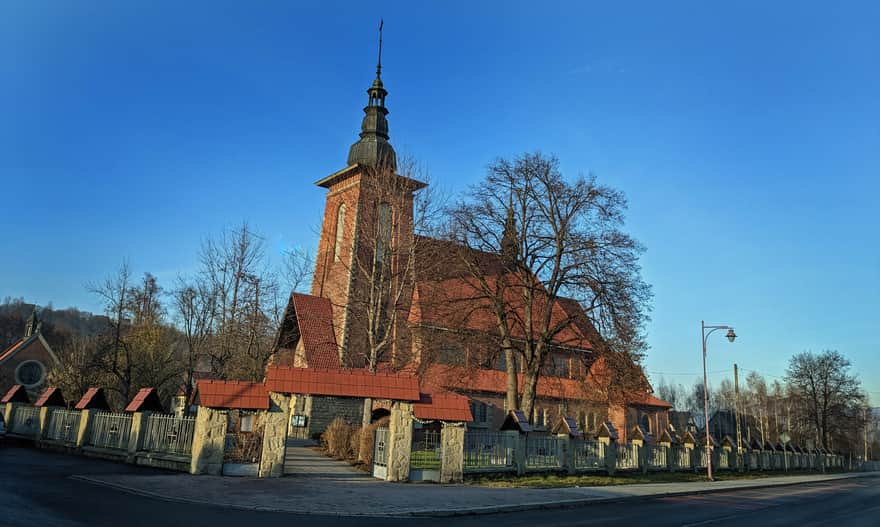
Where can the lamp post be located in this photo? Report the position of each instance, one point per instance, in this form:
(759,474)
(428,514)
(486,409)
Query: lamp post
(731,336)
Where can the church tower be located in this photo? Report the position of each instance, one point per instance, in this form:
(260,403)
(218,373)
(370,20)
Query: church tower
(368,219)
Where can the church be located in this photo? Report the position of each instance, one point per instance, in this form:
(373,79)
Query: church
(385,298)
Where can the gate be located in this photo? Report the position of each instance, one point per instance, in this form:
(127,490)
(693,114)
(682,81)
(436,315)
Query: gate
(380,454)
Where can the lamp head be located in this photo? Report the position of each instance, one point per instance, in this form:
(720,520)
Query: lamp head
(731,336)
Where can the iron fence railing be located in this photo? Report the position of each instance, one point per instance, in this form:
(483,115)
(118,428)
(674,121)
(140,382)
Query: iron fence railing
(25,421)
(543,452)
(657,457)
(681,457)
(627,456)
(63,425)
(488,451)
(169,434)
(588,454)
(110,430)
(426,450)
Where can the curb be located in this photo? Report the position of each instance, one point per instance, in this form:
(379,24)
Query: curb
(469,511)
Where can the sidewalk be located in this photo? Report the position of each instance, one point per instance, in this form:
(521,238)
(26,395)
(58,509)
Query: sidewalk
(359,496)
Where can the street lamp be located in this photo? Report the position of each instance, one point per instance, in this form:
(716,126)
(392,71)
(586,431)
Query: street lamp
(731,336)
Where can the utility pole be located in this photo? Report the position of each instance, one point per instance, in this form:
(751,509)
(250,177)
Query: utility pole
(736,414)
(866,434)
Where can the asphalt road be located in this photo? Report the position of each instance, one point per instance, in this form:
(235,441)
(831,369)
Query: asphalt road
(35,489)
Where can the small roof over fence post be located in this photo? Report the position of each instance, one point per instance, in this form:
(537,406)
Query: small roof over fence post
(51,397)
(93,399)
(147,399)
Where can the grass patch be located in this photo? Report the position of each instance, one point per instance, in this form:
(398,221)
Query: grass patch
(420,459)
(553,480)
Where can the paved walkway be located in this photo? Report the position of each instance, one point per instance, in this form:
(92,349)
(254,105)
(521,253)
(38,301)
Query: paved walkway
(301,459)
(366,496)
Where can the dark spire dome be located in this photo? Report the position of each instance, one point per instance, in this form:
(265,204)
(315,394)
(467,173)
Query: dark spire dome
(373,146)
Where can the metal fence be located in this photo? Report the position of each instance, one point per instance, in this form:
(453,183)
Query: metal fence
(63,425)
(657,457)
(627,456)
(588,454)
(426,450)
(110,430)
(543,452)
(681,457)
(488,451)
(25,421)
(169,434)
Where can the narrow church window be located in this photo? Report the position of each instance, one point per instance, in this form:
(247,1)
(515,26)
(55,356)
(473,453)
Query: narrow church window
(340,228)
(383,234)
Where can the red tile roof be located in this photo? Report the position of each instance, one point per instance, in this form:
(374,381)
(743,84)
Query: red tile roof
(147,399)
(51,397)
(444,406)
(314,317)
(232,394)
(460,303)
(16,394)
(449,296)
(342,383)
(93,399)
(441,376)
(651,400)
(10,350)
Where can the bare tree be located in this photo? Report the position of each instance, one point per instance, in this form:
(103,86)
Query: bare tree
(78,368)
(194,302)
(235,269)
(556,238)
(116,357)
(833,396)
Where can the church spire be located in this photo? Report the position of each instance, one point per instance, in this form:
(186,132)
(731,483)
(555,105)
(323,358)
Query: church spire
(373,147)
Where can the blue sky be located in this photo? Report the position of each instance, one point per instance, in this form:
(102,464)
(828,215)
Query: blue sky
(745,136)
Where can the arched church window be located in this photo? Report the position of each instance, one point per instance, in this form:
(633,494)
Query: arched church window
(646,423)
(383,238)
(340,229)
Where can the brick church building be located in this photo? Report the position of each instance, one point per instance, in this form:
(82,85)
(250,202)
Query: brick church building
(424,321)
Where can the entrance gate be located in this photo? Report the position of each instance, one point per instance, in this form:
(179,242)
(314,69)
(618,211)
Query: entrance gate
(380,453)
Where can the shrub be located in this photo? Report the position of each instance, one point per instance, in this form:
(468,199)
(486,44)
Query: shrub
(354,444)
(336,439)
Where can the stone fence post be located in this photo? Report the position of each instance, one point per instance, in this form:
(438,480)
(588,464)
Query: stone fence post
(85,421)
(208,438)
(136,437)
(400,441)
(275,423)
(43,427)
(7,415)
(451,452)
(518,441)
(610,457)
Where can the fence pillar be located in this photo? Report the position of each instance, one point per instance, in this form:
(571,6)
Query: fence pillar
(209,434)
(451,452)
(400,441)
(136,436)
(85,421)
(611,457)
(565,454)
(7,415)
(43,427)
(275,436)
(520,449)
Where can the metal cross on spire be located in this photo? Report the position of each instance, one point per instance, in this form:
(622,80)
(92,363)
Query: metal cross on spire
(379,62)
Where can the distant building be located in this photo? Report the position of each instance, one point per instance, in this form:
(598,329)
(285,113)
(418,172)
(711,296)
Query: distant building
(28,361)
